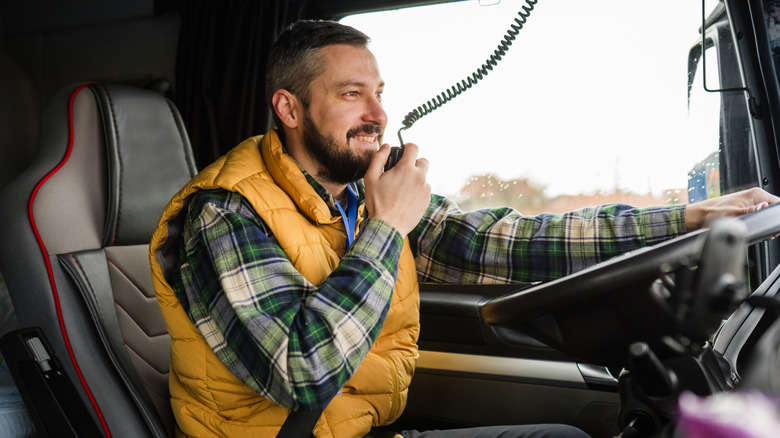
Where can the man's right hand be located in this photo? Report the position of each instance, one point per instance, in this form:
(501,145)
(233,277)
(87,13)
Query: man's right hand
(401,195)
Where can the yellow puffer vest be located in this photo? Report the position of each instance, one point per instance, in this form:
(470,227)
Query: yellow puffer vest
(207,399)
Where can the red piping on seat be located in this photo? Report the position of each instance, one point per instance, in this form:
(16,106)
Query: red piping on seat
(48,262)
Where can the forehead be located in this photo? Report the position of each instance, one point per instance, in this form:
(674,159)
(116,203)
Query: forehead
(344,63)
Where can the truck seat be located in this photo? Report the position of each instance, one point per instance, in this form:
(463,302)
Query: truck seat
(76,227)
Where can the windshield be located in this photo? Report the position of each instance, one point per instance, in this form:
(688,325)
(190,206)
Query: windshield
(589,106)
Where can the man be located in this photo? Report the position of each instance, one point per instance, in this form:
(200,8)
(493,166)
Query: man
(289,283)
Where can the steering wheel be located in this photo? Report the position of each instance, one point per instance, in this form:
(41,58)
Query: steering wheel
(675,291)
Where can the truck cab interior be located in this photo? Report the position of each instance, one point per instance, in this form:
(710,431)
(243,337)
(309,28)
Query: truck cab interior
(108,108)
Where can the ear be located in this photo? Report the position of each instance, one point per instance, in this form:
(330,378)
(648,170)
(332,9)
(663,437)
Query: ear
(287,107)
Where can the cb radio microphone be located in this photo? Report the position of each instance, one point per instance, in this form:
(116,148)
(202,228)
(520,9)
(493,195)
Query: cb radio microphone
(396,152)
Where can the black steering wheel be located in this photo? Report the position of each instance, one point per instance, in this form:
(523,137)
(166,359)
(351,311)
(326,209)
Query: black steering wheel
(676,291)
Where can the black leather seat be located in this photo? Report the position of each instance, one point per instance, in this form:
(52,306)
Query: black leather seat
(76,226)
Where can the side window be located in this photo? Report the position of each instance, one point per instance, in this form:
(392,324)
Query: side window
(704,123)
(587,107)
(718,105)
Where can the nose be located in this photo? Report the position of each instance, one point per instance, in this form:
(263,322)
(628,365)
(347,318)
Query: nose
(375,113)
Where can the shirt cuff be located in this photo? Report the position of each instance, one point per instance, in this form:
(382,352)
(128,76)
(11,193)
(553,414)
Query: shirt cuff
(663,223)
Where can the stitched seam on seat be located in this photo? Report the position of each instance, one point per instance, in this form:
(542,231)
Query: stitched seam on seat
(119,159)
(151,388)
(89,285)
(148,362)
(129,315)
(124,274)
(178,129)
(140,294)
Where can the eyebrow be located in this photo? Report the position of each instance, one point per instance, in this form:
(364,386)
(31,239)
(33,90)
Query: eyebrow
(346,84)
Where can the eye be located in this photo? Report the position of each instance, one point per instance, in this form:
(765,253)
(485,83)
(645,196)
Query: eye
(379,96)
(351,94)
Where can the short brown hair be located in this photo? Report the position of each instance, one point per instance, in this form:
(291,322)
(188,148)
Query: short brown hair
(294,60)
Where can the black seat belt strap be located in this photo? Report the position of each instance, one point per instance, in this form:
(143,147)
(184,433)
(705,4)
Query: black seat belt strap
(299,424)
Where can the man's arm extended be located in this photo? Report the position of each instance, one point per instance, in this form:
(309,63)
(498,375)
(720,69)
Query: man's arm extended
(500,245)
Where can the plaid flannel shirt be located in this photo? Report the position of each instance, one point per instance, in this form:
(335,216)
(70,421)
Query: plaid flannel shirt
(297,344)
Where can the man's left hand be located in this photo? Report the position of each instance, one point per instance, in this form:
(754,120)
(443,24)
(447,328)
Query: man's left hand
(702,213)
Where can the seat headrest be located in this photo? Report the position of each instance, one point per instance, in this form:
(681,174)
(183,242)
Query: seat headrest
(110,159)
(149,159)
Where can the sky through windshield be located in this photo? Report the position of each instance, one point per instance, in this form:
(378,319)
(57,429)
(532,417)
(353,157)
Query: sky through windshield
(591,97)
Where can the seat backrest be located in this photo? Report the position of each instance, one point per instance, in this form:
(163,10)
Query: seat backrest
(76,226)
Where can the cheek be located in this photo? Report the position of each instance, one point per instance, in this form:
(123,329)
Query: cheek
(335,124)
(336,118)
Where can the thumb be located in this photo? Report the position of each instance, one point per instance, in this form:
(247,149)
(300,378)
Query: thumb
(377,164)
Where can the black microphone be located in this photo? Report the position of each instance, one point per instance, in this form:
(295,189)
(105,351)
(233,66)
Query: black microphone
(396,152)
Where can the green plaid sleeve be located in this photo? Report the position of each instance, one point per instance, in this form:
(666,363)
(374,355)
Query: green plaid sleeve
(294,342)
(502,246)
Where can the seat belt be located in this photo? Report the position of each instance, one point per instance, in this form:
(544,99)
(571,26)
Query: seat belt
(299,424)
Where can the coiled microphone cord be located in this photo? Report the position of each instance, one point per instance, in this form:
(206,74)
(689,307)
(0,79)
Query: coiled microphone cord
(476,76)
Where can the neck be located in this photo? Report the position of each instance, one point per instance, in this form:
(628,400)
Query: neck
(338,191)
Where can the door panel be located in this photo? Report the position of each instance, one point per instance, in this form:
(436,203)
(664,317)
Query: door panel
(467,376)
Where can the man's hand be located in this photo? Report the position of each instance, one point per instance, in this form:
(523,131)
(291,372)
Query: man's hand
(401,195)
(702,213)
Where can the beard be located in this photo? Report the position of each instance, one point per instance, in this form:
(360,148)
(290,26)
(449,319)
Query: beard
(338,162)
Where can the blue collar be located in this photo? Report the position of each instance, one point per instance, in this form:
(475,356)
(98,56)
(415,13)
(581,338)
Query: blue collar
(350,217)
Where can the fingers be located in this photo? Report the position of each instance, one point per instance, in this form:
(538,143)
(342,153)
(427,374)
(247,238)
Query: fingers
(759,206)
(757,196)
(377,164)
(411,152)
(735,204)
(400,195)
(422,164)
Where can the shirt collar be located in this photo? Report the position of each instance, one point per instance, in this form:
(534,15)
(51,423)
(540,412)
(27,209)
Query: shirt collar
(330,201)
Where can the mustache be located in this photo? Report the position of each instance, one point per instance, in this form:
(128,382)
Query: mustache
(366,129)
